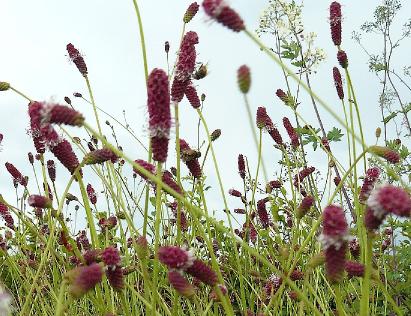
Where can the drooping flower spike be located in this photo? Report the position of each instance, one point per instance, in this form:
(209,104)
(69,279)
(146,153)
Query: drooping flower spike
(222,13)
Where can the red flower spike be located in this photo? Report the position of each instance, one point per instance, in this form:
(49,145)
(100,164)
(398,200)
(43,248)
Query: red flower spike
(83,279)
(77,59)
(39,201)
(175,257)
(244,79)
(191,12)
(61,149)
(180,283)
(100,156)
(30,156)
(203,272)
(234,192)
(222,13)
(5,214)
(342,59)
(16,174)
(338,83)
(297,275)
(298,179)
(262,213)
(291,132)
(145,165)
(158,101)
(168,179)
(241,166)
(60,114)
(354,269)
(187,57)
(178,89)
(92,256)
(384,152)
(35,128)
(389,199)
(305,206)
(51,169)
(91,193)
(275,135)
(334,240)
(214,295)
(192,164)
(111,256)
(282,96)
(115,277)
(335,23)
(354,247)
(192,96)
(371,176)
(262,118)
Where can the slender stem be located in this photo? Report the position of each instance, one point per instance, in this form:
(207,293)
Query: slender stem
(94,104)
(254,132)
(21,94)
(157,234)
(365,289)
(142,40)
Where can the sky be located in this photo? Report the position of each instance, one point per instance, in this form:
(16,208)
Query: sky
(33,59)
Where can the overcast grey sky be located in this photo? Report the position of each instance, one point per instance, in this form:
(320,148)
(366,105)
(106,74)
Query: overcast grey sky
(33,59)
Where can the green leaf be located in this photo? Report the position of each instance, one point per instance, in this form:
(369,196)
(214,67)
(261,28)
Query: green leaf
(389,117)
(335,135)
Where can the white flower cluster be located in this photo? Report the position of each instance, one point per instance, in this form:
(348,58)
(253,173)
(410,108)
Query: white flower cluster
(283,18)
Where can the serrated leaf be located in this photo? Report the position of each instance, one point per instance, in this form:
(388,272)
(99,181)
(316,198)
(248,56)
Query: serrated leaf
(335,135)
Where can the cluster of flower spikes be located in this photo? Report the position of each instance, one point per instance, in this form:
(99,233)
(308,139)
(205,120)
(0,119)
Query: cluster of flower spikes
(5,214)
(180,261)
(158,101)
(383,200)
(191,161)
(42,116)
(182,84)
(16,174)
(86,276)
(334,239)
(219,11)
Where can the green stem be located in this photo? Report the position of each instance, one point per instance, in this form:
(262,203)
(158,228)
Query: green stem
(143,42)
(254,132)
(94,104)
(157,234)
(365,289)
